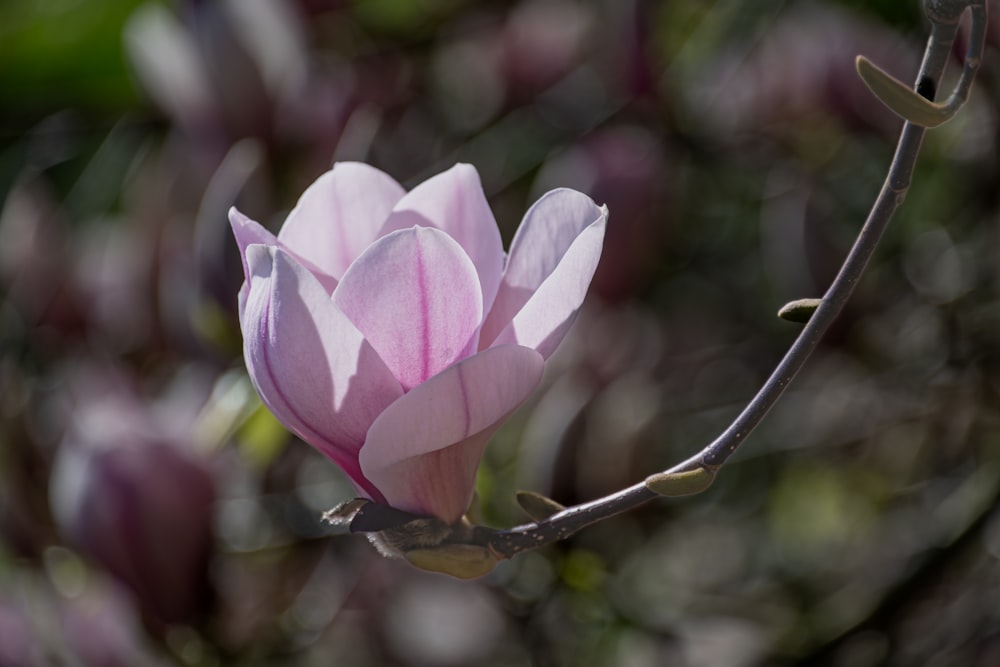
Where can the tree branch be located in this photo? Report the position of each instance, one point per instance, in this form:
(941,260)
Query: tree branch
(396,534)
(944,16)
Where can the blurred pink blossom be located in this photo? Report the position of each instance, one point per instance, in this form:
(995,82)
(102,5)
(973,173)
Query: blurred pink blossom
(129,492)
(391,331)
(803,72)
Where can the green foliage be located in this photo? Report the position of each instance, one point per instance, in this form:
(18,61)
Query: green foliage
(64,52)
(402,19)
(262,438)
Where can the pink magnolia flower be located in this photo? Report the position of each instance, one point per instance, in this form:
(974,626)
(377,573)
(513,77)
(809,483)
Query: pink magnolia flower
(390,330)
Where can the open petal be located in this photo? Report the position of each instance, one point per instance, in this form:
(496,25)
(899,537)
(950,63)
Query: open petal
(453,202)
(415,296)
(549,227)
(311,366)
(539,315)
(339,215)
(423,450)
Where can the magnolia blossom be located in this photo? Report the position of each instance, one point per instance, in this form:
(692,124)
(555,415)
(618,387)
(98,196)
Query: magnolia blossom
(389,329)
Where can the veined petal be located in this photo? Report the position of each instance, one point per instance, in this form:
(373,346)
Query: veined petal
(311,366)
(454,202)
(552,261)
(415,296)
(548,229)
(339,215)
(423,450)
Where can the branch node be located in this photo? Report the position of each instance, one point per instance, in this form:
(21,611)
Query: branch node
(902,100)
(799,310)
(537,506)
(686,483)
(946,12)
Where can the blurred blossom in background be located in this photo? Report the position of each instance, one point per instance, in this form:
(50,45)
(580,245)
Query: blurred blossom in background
(152,513)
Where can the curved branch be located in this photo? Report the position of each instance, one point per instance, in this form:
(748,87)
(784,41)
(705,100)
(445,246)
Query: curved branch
(696,473)
(944,25)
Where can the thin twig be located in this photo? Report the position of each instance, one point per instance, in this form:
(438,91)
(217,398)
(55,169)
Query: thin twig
(944,15)
(467,550)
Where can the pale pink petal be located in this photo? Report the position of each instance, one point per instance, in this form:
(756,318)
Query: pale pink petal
(423,450)
(453,202)
(415,296)
(552,261)
(549,228)
(248,231)
(339,215)
(310,365)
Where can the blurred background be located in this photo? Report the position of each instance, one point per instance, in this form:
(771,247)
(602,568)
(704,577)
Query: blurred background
(152,514)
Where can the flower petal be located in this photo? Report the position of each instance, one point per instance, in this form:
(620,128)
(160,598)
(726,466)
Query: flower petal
(339,215)
(552,261)
(423,450)
(248,231)
(415,296)
(453,202)
(311,366)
